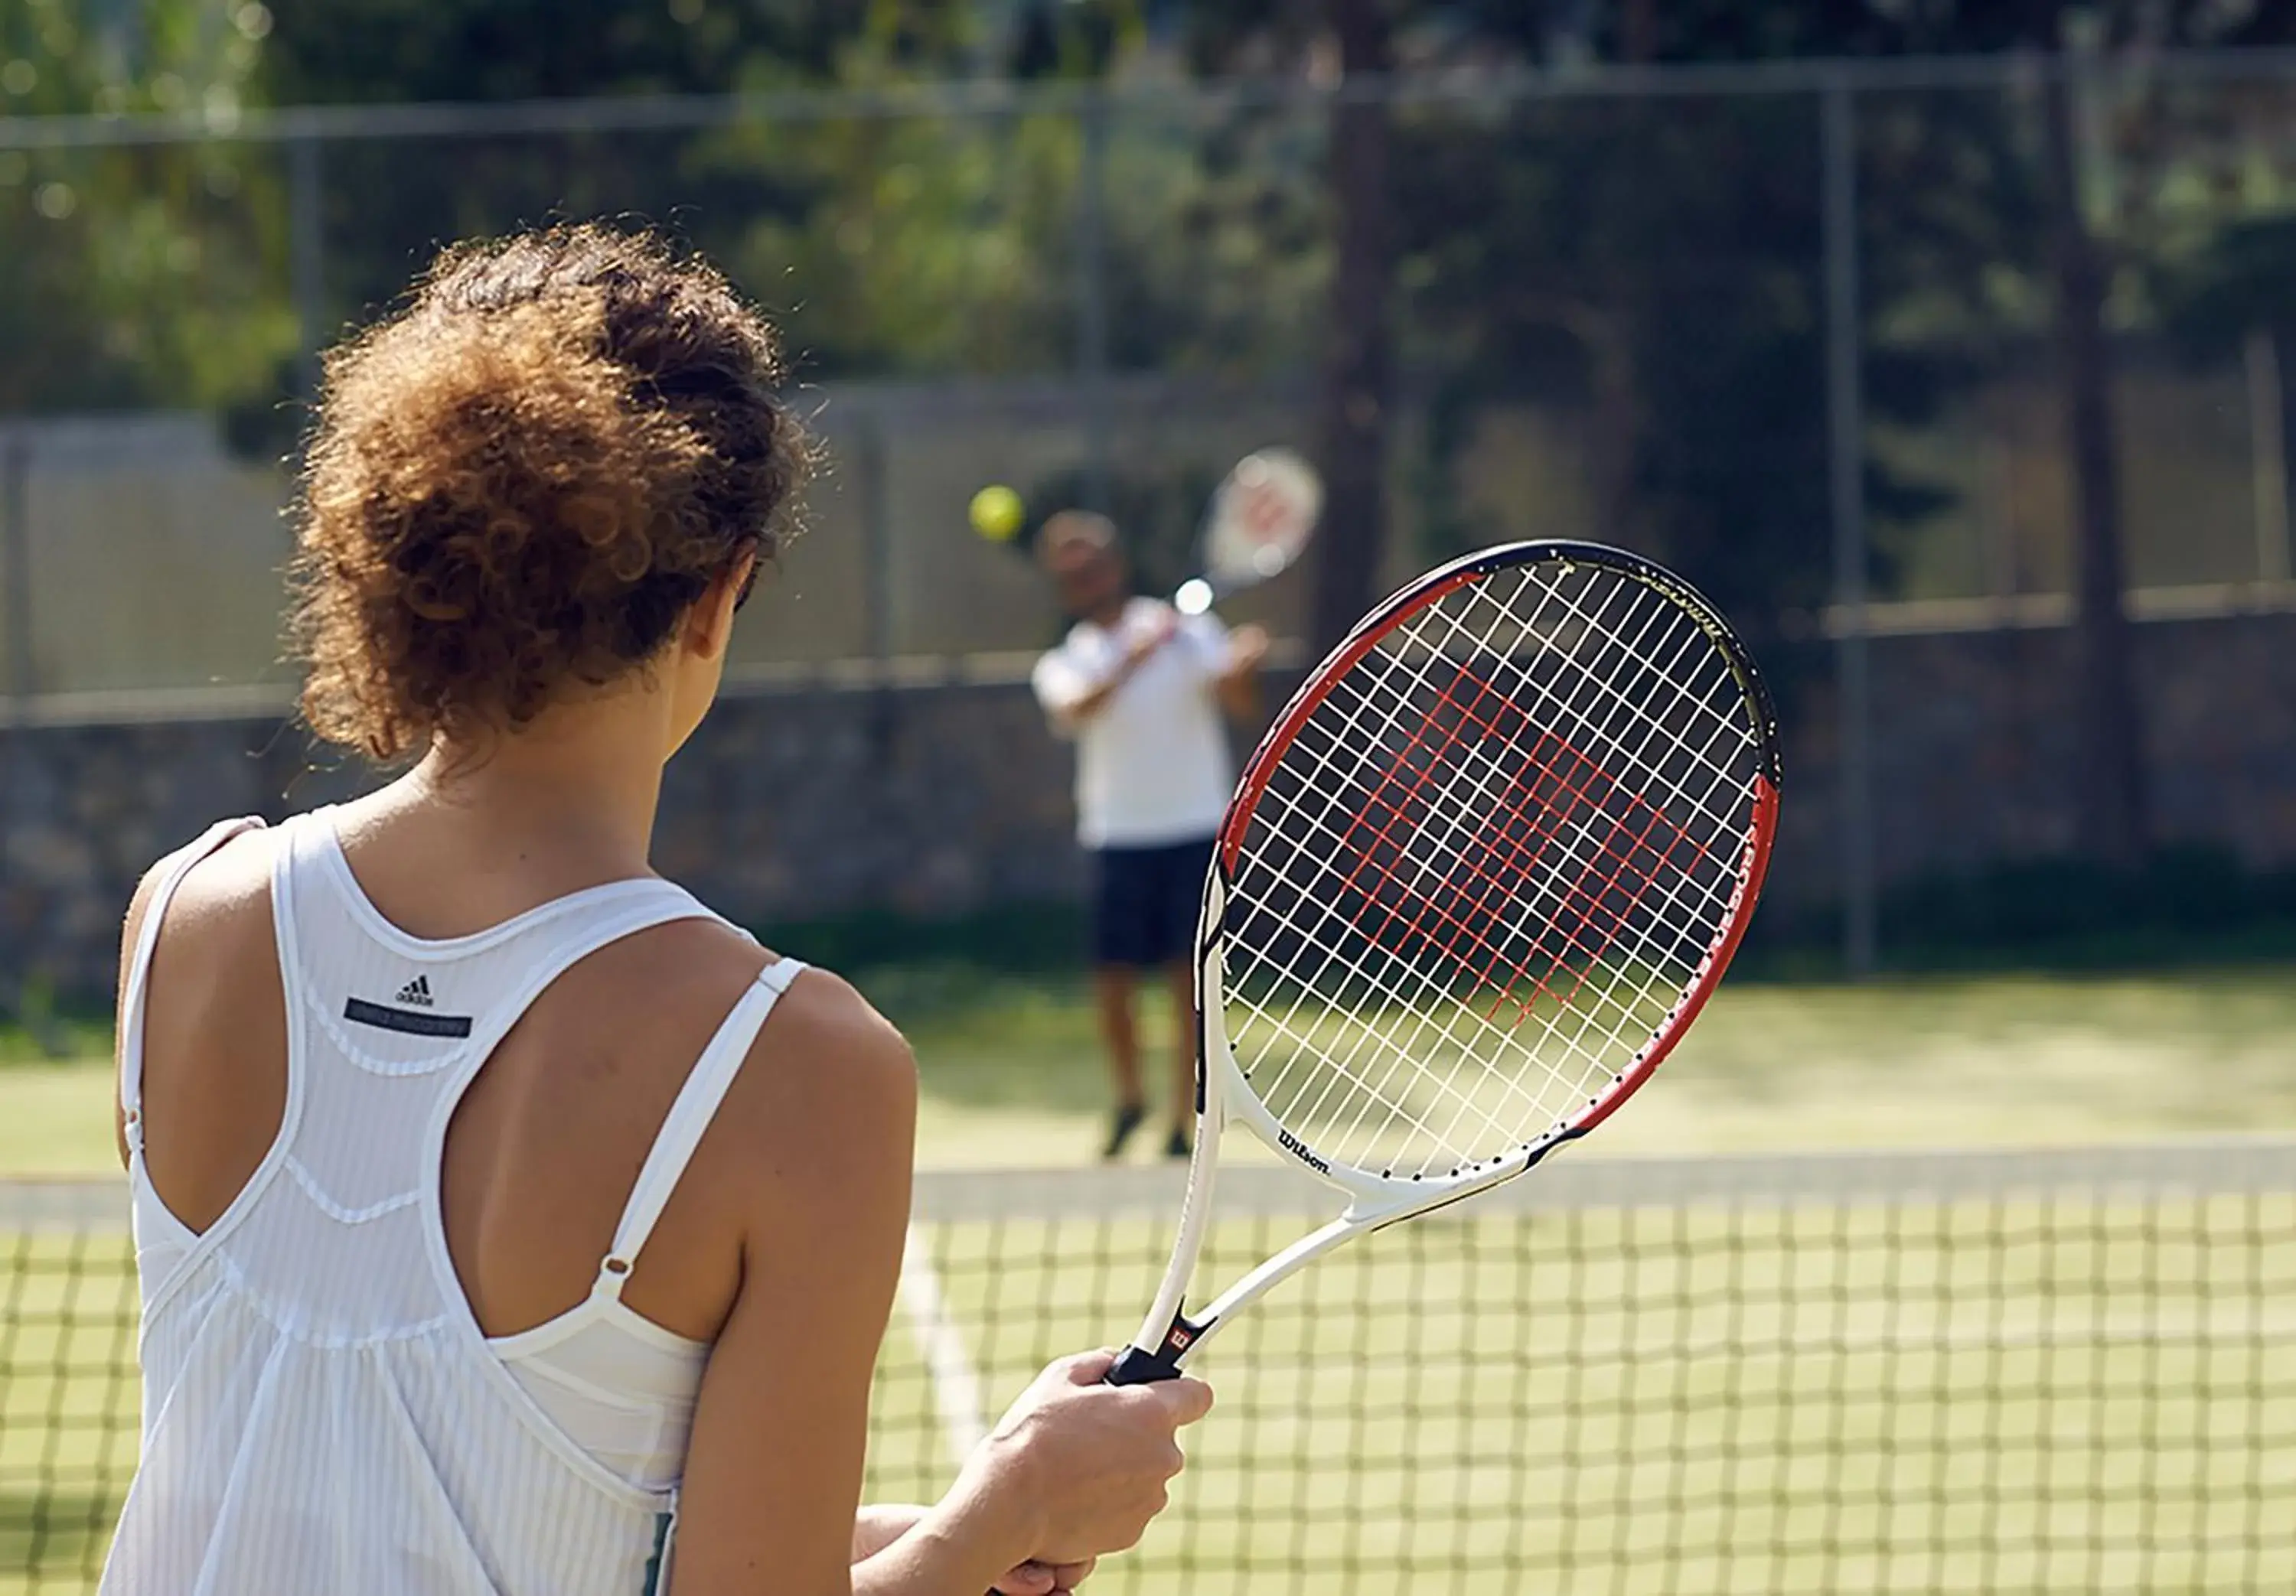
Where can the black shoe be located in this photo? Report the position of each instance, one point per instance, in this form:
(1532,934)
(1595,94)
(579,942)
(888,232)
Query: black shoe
(1176,1145)
(1126,1119)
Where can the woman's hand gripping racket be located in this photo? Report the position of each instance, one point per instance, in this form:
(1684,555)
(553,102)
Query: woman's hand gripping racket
(1478,880)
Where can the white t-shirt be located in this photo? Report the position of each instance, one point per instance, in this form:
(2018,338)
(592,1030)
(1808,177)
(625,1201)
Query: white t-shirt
(1153,761)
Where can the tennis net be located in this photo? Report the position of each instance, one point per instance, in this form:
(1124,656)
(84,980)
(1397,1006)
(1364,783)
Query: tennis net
(2069,1371)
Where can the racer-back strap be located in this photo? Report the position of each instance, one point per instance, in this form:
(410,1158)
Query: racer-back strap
(689,1118)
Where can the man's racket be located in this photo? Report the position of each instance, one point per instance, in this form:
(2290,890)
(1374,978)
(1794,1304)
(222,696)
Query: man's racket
(1261,517)
(1477,880)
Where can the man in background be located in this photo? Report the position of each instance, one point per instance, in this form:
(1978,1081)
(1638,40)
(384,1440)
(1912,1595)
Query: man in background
(1141,688)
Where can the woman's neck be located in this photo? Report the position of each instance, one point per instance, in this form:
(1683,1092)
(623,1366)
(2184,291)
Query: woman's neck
(483,830)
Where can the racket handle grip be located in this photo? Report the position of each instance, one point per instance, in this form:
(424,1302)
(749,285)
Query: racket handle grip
(1134,1367)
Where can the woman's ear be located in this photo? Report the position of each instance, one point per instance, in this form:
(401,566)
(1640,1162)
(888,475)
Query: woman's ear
(709,623)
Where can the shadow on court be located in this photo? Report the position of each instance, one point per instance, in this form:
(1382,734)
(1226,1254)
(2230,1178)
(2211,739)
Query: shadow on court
(54,1539)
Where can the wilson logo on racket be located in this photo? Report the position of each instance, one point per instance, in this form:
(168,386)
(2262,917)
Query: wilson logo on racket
(1303,1151)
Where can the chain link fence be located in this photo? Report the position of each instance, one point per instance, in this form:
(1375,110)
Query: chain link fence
(1788,327)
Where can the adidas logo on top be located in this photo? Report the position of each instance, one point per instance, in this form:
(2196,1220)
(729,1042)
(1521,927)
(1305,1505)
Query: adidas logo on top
(416,992)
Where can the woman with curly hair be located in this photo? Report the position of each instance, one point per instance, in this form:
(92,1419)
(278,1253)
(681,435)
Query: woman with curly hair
(506,1222)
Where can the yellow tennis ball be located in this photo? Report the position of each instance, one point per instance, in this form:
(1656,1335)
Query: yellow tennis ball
(997,513)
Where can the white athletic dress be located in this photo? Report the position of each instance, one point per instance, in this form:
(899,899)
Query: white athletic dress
(322,1412)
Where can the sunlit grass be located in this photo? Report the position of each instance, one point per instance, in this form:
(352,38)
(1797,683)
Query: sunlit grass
(1011,1067)
(1012,1071)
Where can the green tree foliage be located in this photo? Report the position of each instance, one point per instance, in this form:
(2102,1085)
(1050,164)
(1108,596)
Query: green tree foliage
(388,203)
(137,276)
(369,51)
(1340,42)
(889,243)
(1655,269)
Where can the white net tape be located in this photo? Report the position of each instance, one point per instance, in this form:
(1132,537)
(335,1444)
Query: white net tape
(1488,868)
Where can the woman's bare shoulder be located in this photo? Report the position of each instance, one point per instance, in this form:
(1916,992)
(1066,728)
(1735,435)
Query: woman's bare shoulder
(825,1100)
(220,909)
(824,1057)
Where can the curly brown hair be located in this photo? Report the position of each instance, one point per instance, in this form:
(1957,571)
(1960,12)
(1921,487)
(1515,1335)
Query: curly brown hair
(522,480)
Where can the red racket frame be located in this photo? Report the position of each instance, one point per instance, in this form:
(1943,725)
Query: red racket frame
(1398,611)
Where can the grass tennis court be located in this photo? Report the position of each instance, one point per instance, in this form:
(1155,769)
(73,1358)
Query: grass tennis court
(1901,1396)
(2051,1374)
(1659,1385)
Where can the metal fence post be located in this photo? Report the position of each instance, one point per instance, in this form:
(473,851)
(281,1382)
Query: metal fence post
(18,912)
(1846,467)
(1092,296)
(16,566)
(2267,446)
(878,597)
(307,260)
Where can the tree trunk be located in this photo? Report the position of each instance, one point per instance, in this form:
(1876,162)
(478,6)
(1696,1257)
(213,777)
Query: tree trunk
(2110,800)
(1352,427)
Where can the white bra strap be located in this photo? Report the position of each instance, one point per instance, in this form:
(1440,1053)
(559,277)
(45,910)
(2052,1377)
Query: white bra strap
(171,873)
(689,1116)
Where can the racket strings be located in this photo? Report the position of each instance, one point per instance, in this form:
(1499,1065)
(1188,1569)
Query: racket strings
(1403,1043)
(1488,868)
(1261,517)
(1401,1006)
(1462,936)
(1398,1047)
(1484,796)
(1559,764)
(1553,770)
(1566,709)
(1629,844)
(1583,945)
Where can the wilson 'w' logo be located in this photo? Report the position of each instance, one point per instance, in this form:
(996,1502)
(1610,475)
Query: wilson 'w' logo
(1303,1152)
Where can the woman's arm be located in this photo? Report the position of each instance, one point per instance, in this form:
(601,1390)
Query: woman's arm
(1081,1463)
(879,1525)
(826,1109)
(773,1474)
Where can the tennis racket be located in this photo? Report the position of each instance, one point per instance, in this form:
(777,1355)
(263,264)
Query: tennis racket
(1476,882)
(1261,518)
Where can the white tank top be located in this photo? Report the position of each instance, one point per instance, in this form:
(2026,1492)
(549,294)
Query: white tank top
(321,1409)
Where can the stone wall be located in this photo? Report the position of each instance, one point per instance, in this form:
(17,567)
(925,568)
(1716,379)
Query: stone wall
(785,806)
(933,801)
(1975,759)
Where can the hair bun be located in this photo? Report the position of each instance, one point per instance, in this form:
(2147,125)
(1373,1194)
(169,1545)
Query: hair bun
(522,480)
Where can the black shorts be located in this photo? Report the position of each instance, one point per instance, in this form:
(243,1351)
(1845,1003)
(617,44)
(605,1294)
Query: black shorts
(1145,901)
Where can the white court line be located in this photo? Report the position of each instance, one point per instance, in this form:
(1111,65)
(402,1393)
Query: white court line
(941,1342)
